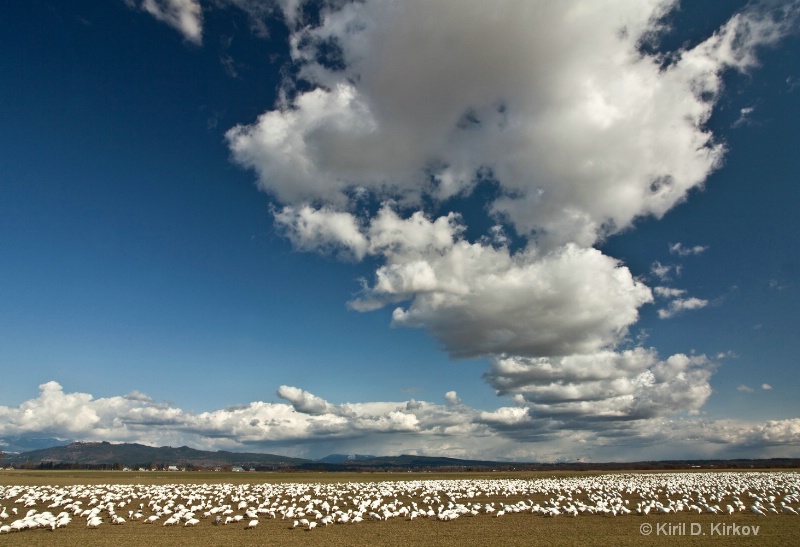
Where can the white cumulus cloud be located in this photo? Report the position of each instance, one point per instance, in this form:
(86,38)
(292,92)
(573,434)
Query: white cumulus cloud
(668,292)
(186,16)
(664,272)
(607,385)
(680,250)
(680,305)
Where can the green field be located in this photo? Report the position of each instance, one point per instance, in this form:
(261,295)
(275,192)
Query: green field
(511,529)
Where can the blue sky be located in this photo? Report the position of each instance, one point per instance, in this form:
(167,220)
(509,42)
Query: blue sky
(520,231)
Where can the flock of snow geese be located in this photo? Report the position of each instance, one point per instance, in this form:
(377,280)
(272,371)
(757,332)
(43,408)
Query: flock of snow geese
(317,505)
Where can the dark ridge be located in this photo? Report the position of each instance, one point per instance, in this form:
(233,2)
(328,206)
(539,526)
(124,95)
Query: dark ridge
(108,455)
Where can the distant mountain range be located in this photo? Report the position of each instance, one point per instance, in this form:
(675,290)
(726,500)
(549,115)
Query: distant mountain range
(99,455)
(104,454)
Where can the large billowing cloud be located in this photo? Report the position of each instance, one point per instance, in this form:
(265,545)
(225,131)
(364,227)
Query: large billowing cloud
(581,132)
(310,426)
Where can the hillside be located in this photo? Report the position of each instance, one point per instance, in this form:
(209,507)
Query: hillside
(137,455)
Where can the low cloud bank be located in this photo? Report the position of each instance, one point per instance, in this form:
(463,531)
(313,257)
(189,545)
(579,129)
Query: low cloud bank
(309,426)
